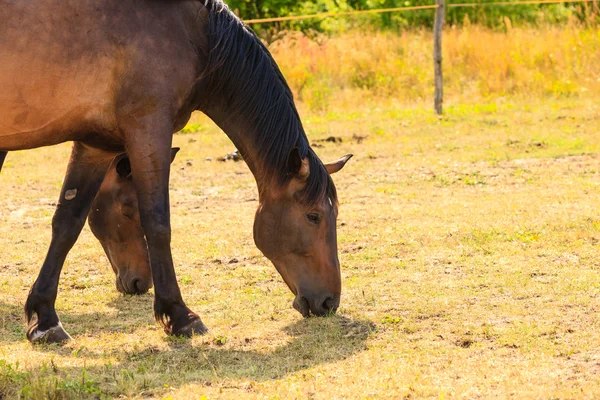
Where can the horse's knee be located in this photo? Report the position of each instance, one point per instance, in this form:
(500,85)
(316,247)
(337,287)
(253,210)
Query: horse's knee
(157,230)
(67,221)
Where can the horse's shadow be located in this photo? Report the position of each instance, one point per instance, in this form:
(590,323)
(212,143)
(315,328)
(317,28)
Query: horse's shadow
(314,342)
(311,342)
(12,328)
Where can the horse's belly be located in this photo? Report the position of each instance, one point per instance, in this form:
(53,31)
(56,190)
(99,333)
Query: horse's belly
(29,129)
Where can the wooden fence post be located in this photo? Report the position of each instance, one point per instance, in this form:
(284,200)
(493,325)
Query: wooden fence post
(438,26)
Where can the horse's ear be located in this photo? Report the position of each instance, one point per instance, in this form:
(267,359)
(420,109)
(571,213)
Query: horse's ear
(335,166)
(174,152)
(123,166)
(297,166)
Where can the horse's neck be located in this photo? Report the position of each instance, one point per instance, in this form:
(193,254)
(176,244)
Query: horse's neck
(248,98)
(234,129)
(245,135)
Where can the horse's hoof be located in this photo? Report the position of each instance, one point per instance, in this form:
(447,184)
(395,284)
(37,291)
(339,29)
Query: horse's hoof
(195,327)
(56,334)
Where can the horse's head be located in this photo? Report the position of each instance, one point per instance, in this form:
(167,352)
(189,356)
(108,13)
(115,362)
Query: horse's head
(115,221)
(301,239)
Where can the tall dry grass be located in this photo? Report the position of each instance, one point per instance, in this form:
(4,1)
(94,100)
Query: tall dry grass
(478,63)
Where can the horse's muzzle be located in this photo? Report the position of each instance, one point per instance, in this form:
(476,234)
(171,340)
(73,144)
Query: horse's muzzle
(134,286)
(318,306)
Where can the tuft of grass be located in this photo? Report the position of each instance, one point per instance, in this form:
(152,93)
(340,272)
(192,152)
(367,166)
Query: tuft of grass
(191,128)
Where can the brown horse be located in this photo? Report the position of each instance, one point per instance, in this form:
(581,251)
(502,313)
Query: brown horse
(114,75)
(111,220)
(115,221)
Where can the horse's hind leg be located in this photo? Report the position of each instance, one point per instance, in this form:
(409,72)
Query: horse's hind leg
(2,157)
(85,174)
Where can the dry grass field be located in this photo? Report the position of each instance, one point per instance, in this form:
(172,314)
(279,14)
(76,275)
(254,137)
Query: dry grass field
(470,252)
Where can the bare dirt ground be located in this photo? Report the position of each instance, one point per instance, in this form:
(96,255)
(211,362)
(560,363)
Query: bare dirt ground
(470,264)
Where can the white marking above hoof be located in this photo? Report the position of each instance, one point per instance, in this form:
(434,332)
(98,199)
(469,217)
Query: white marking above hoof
(55,334)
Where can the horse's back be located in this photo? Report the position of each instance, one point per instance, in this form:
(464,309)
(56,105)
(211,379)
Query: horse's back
(55,71)
(64,64)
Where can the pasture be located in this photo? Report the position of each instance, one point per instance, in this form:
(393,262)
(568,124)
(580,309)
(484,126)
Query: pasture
(469,252)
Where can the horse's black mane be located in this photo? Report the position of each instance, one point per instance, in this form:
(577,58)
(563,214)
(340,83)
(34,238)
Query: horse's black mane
(242,72)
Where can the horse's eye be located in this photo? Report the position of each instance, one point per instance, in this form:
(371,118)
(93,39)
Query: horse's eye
(127,211)
(313,218)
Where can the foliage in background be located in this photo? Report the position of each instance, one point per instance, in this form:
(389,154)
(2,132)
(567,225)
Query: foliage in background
(478,63)
(487,16)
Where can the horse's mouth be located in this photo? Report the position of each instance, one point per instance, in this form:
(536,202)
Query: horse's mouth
(136,286)
(308,307)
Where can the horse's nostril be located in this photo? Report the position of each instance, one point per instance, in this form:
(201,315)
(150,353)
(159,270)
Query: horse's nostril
(329,305)
(138,286)
(302,305)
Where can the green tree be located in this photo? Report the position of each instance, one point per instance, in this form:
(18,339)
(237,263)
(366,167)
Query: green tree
(488,16)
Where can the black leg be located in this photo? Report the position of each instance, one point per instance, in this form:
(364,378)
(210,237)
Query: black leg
(150,156)
(2,157)
(85,173)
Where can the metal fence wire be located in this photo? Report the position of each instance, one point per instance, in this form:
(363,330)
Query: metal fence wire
(440,13)
(412,8)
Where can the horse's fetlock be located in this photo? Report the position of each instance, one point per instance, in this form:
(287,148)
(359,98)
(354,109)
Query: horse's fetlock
(39,304)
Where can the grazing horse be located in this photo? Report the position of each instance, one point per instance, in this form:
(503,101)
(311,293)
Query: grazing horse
(124,75)
(111,220)
(115,221)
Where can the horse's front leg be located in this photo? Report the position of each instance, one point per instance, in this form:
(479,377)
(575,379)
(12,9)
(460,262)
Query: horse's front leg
(148,144)
(85,173)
